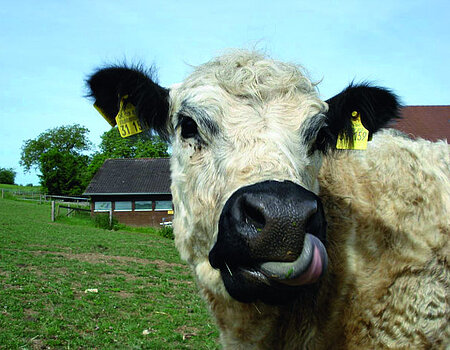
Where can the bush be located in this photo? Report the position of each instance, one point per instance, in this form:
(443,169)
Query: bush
(7,176)
(102,221)
(166,232)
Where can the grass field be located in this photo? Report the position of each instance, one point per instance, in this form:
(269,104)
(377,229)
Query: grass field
(36,189)
(145,299)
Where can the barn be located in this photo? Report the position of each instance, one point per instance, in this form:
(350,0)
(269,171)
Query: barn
(137,191)
(428,122)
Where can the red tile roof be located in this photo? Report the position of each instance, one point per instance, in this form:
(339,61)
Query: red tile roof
(428,122)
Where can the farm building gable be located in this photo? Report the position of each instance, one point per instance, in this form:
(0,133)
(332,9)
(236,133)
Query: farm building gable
(136,190)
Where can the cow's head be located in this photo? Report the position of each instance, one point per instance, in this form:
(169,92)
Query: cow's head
(248,135)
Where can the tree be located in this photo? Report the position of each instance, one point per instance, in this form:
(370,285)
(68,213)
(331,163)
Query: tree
(7,176)
(71,139)
(141,145)
(63,172)
(57,154)
(137,146)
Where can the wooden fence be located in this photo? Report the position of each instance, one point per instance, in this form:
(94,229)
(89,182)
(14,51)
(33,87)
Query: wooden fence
(71,208)
(70,203)
(36,196)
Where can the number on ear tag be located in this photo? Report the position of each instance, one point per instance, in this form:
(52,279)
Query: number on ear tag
(360,135)
(127,120)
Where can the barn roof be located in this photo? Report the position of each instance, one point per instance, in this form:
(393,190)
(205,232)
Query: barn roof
(131,176)
(428,122)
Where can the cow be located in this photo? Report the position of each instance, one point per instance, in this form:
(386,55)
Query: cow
(296,242)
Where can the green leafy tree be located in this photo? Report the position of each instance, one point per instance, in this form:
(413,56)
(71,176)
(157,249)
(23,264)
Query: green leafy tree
(71,139)
(114,146)
(140,145)
(95,163)
(58,154)
(61,172)
(7,176)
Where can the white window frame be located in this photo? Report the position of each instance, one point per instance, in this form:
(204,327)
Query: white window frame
(149,209)
(115,206)
(166,209)
(97,210)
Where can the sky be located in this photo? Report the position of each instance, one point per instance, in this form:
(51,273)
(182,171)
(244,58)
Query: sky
(48,48)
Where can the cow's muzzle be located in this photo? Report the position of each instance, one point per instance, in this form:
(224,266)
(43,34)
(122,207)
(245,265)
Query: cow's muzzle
(270,244)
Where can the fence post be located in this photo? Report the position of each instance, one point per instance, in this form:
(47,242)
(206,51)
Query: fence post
(53,211)
(110,218)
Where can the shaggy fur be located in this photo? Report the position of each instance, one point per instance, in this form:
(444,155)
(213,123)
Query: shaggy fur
(387,211)
(242,119)
(388,280)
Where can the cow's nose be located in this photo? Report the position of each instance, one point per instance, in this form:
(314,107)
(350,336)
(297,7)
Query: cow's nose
(266,222)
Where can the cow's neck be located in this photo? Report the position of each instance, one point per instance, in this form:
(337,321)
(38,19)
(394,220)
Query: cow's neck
(261,326)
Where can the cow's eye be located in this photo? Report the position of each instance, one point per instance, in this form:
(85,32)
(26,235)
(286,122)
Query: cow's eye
(188,128)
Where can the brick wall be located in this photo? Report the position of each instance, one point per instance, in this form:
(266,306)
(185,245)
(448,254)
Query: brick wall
(142,218)
(136,218)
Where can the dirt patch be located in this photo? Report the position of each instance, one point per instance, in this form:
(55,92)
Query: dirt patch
(179,282)
(30,315)
(10,286)
(164,264)
(107,259)
(30,312)
(124,295)
(38,344)
(187,332)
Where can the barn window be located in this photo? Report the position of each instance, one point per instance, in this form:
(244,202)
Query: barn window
(102,206)
(143,205)
(163,205)
(123,206)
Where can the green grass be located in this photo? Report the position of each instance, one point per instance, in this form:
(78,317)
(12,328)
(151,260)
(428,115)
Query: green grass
(45,269)
(36,189)
(82,218)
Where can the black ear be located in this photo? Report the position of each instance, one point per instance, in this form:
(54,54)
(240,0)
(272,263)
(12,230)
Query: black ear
(110,84)
(376,106)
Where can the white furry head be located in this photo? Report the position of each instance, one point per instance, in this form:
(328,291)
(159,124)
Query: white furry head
(238,120)
(250,114)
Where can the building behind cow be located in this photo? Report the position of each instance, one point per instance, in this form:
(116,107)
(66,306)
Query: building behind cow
(136,190)
(428,122)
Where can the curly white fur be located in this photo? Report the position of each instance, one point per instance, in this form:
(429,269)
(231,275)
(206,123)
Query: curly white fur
(387,210)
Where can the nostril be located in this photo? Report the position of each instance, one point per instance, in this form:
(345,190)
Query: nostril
(253,215)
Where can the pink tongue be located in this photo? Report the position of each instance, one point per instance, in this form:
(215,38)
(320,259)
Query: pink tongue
(313,272)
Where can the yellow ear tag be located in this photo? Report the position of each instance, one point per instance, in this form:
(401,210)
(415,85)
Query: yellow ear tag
(360,135)
(127,120)
(110,121)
